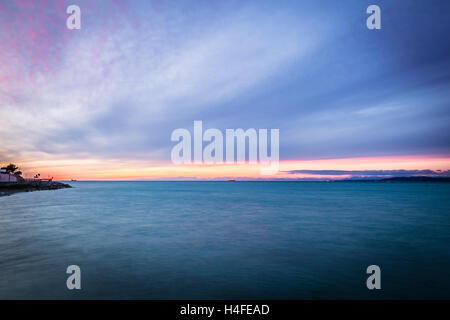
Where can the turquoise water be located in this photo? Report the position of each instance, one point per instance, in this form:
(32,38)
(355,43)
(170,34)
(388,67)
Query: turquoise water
(211,240)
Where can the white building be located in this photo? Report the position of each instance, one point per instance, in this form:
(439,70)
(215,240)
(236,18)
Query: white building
(7,177)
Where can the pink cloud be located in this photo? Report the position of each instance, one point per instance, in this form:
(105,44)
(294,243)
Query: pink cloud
(35,36)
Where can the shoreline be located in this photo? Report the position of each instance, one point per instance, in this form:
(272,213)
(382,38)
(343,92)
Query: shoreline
(7,189)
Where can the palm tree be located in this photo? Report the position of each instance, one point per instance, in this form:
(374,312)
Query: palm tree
(11,168)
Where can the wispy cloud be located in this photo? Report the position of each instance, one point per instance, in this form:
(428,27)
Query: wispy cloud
(124,90)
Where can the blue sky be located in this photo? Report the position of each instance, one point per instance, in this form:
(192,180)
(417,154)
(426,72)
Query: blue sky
(137,70)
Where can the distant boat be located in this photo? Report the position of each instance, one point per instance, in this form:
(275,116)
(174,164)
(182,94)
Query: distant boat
(73,180)
(231,180)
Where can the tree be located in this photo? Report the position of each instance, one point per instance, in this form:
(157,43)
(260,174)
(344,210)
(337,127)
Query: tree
(11,168)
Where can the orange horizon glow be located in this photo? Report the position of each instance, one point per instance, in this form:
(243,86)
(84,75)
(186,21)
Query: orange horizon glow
(94,169)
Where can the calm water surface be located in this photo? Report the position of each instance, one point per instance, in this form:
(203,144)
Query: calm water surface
(210,240)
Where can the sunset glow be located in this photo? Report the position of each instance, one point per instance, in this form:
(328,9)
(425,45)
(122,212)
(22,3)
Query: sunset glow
(135,170)
(102,101)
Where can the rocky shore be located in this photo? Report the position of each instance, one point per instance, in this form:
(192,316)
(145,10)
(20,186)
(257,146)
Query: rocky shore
(7,188)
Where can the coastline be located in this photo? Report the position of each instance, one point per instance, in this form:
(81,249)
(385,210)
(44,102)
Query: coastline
(7,189)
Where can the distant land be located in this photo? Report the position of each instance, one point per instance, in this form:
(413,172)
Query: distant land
(400,179)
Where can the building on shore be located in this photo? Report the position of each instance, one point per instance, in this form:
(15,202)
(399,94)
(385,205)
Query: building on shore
(7,177)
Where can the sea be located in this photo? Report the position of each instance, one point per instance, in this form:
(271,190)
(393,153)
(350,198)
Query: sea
(227,240)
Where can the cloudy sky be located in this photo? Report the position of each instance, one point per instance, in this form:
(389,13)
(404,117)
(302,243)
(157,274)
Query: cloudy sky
(101,102)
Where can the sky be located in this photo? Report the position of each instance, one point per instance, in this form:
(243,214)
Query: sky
(101,102)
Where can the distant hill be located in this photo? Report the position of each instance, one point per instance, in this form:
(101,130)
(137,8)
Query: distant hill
(398,179)
(418,179)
